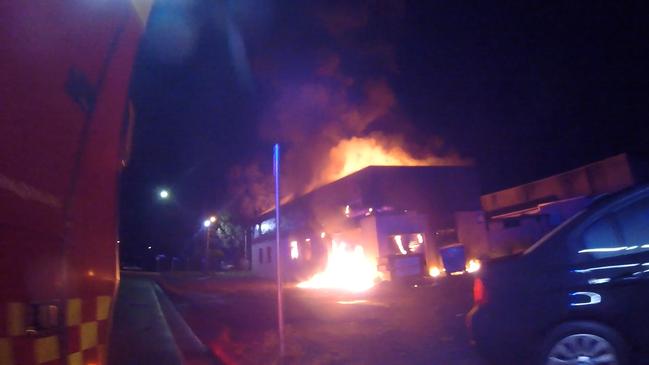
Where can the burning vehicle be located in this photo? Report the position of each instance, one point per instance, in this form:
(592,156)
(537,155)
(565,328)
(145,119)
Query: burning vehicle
(380,223)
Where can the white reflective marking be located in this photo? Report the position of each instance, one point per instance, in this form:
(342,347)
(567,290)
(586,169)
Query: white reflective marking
(599,281)
(612,249)
(604,249)
(605,267)
(593,298)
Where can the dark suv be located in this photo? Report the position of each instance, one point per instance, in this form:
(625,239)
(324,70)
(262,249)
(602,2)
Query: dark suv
(579,296)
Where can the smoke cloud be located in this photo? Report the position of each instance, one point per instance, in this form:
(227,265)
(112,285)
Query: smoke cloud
(333,122)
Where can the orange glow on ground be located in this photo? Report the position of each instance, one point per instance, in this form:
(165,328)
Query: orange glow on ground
(357,301)
(347,269)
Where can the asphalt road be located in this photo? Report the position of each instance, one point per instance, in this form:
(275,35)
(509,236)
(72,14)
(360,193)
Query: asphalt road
(391,324)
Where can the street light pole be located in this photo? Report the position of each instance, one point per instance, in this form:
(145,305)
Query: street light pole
(278,255)
(207,223)
(207,251)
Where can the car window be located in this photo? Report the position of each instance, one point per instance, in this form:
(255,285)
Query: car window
(625,233)
(600,239)
(634,224)
(548,236)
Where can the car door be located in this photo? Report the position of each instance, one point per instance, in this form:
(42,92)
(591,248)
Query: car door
(611,279)
(633,223)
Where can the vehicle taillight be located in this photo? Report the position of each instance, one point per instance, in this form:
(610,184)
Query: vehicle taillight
(479,292)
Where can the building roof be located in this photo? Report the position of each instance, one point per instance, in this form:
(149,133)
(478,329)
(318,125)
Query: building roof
(605,176)
(434,190)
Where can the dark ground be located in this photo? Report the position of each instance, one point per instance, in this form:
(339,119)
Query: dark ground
(235,316)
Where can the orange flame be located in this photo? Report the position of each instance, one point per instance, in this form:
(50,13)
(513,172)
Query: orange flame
(357,153)
(346,269)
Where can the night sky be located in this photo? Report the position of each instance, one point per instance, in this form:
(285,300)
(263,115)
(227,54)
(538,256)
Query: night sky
(525,90)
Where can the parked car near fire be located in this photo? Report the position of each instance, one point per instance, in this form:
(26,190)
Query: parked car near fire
(578,296)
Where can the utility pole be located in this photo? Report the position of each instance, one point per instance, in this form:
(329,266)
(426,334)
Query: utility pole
(207,250)
(278,255)
(207,224)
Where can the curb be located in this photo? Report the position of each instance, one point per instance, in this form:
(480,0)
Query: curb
(140,333)
(191,348)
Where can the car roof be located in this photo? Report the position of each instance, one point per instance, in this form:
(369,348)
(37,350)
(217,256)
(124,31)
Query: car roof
(628,193)
(600,202)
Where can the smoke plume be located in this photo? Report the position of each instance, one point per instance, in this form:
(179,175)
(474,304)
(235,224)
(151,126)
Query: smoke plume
(332,116)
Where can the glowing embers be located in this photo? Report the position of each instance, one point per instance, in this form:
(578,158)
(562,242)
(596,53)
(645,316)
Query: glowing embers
(347,269)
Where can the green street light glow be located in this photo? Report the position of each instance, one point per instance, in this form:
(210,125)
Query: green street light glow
(164,194)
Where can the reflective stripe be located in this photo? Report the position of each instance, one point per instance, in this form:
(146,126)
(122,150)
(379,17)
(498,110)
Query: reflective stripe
(84,319)
(73,312)
(15,319)
(88,335)
(75,359)
(103,307)
(46,349)
(6,355)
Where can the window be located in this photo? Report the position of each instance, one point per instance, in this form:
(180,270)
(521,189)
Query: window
(404,244)
(269,258)
(261,255)
(634,224)
(295,251)
(600,239)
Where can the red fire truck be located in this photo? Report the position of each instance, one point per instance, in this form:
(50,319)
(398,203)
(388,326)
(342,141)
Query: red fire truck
(64,74)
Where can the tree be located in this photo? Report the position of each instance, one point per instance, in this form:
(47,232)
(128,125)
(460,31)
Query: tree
(229,236)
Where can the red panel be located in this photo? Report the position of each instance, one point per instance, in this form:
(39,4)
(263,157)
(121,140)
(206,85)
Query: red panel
(42,45)
(40,135)
(90,356)
(55,362)
(102,328)
(74,339)
(3,319)
(23,350)
(89,309)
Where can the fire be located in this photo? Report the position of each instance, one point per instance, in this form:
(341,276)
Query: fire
(357,153)
(346,269)
(473,265)
(434,272)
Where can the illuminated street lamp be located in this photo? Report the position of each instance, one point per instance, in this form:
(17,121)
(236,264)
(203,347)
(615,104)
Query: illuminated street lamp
(207,223)
(164,194)
(212,219)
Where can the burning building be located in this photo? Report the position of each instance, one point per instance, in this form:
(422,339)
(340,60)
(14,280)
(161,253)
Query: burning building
(388,219)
